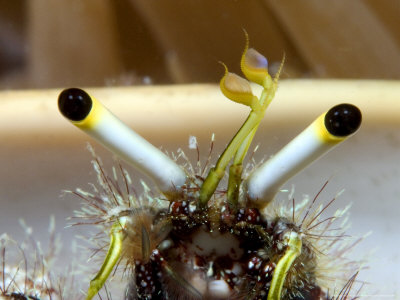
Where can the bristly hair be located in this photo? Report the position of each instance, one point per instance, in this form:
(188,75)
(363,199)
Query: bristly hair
(344,293)
(26,272)
(326,245)
(113,198)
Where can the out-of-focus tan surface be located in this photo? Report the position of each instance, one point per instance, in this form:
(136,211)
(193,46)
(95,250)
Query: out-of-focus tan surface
(170,107)
(60,43)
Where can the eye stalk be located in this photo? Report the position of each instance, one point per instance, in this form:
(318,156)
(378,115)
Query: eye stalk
(86,113)
(327,131)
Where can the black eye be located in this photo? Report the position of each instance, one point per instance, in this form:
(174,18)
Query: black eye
(75,104)
(343,119)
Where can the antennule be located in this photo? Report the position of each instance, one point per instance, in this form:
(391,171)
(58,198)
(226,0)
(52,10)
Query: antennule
(322,135)
(93,118)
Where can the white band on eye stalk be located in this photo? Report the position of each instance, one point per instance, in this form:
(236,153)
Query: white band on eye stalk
(111,132)
(322,135)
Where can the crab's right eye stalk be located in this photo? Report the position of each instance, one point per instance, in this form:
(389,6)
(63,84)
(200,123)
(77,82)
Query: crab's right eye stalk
(327,131)
(75,104)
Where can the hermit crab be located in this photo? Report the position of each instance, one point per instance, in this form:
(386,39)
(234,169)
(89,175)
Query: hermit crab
(191,238)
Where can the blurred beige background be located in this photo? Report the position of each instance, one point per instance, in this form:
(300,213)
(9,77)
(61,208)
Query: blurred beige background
(107,43)
(46,43)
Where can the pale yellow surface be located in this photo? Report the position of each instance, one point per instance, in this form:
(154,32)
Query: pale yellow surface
(204,105)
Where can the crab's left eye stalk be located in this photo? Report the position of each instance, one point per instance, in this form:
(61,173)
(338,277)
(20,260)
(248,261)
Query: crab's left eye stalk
(91,116)
(327,131)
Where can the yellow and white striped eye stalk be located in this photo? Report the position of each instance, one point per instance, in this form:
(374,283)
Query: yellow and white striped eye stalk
(322,135)
(92,117)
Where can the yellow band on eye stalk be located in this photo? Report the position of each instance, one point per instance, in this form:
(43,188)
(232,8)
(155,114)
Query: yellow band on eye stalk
(324,134)
(95,116)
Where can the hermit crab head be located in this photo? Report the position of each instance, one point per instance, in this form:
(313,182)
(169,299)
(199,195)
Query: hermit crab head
(192,242)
